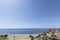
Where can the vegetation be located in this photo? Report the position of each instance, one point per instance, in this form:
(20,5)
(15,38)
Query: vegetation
(3,37)
(45,36)
(48,35)
(32,38)
(53,37)
(38,37)
(6,36)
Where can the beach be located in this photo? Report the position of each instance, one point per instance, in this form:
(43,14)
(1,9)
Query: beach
(51,34)
(20,36)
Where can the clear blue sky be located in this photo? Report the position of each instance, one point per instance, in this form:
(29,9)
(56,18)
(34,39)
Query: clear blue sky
(29,13)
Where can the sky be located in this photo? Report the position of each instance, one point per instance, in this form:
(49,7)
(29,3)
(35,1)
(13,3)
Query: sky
(29,13)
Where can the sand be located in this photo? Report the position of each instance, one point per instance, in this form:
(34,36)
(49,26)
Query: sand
(20,36)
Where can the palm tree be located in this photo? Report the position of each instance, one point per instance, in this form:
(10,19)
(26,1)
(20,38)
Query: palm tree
(32,38)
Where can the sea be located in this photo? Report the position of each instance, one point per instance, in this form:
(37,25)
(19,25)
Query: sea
(23,31)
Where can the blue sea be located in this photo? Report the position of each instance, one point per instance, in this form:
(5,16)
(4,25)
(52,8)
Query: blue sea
(23,31)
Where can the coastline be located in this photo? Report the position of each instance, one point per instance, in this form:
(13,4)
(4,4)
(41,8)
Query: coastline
(20,36)
(47,35)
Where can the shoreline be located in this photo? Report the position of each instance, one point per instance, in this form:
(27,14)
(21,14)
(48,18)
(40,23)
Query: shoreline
(20,36)
(49,34)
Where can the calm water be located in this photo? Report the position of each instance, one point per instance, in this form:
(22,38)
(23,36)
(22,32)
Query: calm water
(22,31)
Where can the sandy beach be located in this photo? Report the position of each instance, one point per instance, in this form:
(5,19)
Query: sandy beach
(20,36)
(48,35)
